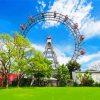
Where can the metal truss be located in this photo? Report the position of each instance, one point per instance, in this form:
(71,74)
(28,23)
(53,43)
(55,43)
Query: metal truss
(65,20)
(50,54)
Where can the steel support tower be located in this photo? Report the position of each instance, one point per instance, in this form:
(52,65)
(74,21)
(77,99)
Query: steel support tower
(50,54)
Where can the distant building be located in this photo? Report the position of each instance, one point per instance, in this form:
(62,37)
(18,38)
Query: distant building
(95,75)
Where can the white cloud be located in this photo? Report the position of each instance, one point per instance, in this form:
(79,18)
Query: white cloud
(88,58)
(3,46)
(80,12)
(42,5)
(61,56)
(95,65)
(76,9)
(91,29)
(37,8)
(49,23)
(63,60)
(88,61)
(39,47)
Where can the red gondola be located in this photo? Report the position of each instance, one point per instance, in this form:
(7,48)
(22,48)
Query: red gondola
(54,14)
(22,27)
(32,19)
(82,52)
(75,25)
(81,37)
(66,18)
(42,14)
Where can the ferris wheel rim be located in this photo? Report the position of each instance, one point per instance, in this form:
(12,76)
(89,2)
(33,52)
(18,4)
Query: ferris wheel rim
(54,16)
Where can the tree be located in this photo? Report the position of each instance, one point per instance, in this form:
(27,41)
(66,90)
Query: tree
(15,56)
(18,56)
(41,68)
(23,53)
(6,57)
(62,75)
(72,66)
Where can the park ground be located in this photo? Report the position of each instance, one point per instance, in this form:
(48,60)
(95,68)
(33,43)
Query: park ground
(51,93)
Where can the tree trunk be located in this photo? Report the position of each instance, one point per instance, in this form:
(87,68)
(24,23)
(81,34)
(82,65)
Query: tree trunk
(2,80)
(7,83)
(19,78)
(18,84)
(71,75)
(5,80)
(32,81)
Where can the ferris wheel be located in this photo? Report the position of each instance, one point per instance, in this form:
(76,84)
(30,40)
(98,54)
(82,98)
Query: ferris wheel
(63,19)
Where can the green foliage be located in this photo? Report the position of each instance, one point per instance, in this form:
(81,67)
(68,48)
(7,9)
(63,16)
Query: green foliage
(72,66)
(62,75)
(41,68)
(6,56)
(18,56)
(13,55)
(85,79)
(21,42)
(96,84)
(22,52)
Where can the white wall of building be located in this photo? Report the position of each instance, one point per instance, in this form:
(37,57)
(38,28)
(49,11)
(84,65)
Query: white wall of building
(95,76)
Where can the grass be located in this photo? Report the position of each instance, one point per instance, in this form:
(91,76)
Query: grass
(51,93)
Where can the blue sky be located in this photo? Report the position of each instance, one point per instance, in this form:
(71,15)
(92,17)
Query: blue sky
(87,15)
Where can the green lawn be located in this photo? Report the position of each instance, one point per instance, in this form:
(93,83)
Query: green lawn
(51,93)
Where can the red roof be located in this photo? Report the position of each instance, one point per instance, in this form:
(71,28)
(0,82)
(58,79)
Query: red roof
(11,77)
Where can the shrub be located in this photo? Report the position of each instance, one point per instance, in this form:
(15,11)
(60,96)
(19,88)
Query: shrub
(62,75)
(86,79)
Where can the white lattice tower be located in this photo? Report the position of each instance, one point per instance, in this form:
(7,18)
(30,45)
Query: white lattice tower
(50,54)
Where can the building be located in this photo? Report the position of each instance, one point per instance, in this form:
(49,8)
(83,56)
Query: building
(95,75)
